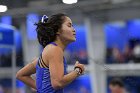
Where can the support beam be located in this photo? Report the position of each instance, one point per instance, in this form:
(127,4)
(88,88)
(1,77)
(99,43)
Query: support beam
(30,47)
(123,69)
(96,49)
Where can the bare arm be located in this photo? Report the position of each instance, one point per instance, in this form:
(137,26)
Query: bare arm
(56,67)
(25,73)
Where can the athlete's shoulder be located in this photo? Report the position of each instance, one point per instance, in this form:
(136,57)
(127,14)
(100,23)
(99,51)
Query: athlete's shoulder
(53,50)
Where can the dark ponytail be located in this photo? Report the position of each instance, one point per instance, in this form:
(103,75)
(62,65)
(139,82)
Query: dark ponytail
(47,29)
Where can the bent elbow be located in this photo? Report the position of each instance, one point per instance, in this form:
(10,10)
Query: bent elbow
(57,85)
(18,75)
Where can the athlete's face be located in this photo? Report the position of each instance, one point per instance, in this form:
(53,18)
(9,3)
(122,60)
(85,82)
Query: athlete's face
(116,89)
(67,32)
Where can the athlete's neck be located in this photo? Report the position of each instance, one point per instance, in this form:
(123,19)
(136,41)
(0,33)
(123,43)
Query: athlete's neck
(61,44)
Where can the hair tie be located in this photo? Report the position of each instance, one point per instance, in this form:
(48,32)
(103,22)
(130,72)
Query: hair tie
(44,19)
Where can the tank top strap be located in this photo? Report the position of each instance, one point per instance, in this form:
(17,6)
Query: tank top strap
(53,43)
(41,62)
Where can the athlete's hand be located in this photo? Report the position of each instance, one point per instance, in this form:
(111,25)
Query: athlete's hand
(80,66)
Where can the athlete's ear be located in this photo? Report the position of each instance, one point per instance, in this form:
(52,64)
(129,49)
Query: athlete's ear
(58,33)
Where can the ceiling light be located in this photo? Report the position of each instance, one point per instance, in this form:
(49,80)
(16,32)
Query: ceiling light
(3,8)
(69,1)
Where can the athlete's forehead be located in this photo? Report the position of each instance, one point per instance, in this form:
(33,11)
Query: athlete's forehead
(68,20)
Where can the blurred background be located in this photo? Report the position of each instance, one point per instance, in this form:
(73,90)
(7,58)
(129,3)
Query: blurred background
(108,42)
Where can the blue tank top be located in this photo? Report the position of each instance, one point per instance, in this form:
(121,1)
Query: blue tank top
(43,81)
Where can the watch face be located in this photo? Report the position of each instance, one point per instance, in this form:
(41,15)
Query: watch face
(77,69)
